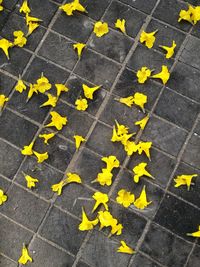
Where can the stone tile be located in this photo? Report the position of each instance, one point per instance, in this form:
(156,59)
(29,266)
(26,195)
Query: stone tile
(181,219)
(106,249)
(154,194)
(127,85)
(100,142)
(165,247)
(191,154)
(97,69)
(45,254)
(132,17)
(4,184)
(140,260)
(16,23)
(10,4)
(164,135)
(197,128)
(5,262)
(141,4)
(185,80)
(60,152)
(77,28)
(30,109)
(166,35)
(150,58)
(6,84)
(82,264)
(60,227)
(4,16)
(114,45)
(52,72)
(45,174)
(74,84)
(191,195)
(23,132)
(17,62)
(59,50)
(190,51)
(12,238)
(9,164)
(173,8)
(195,30)
(95,8)
(172,106)
(194,258)
(24,208)
(160,166)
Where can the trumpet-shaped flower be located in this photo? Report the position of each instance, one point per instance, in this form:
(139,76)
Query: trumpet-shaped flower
(144,147)
(130,147)
(78,140)
(81,104)
(5,45)
(28,150)
(25,8)
(143,74)
(47,137)
(111,162)
(142,123)
(120,24)
(25,257)
(20,86)
(89,91)
(60,88)
(140,171)
(116,229)
(52,101)
(19,38)
(169,50)
(32,90)
(3,100)
(57,120)
(101,28)
(128,101)
(104,177)
(191,15)
(140,100)
(32,26)
(41,156)
(100,198)
(72,178)
(105,219)
(79,47)
(1,7)
(86,224)
(184,180)
(163,75)
(195,234)
(31,19)
(148,38)
(43,84)
(141,202)
(125,198)
(30,181)
(69,8)
(125,249)
(3,197)
(58,187)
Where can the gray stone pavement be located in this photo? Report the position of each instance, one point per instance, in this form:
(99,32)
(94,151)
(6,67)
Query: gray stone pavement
(47,223)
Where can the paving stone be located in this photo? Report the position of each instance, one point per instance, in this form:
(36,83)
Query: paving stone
(105,248)
(127,85)
(52,72)
(190,51)
(82,264)
(97,69)
(4,184)
(173,8)
(59,228)
(114,45)
(140,260)
(10,4)
(100,142)
(5,262)
(141,4)
(45,254)
(191,195)
(191,154)
(172,106)
(77,27)
(154,194)
(195,29)
(197,128)
(24,208)
(6,84)
(45,174)
(165,136)
(9,164)
(185,80)
(74,84)
(59,50)
(165,247)
(160,166)
(194,258)
(181,219)
(23,132)
(12,238)
(134,19)
(4,16)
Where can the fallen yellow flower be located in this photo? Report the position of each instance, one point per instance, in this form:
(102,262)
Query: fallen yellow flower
(116,229)
(101,28)
(31,181)
(71,7)
(100,198)
(111,162)
(72,178)
(141,202)
(125,198)
(28,150)
(78,140)
(144,147)
(20,86)
(19,39)
(43,84)
(60,88)
(31,19)
(89,91)
(130,147)
(86,224)
(128,101)
(79,47)
(31,27)
(5,45)
(3,197)
(142,123)
(170,50)
(184,180)
(81,104)
(143,74)
(32,90)
(140,100)
(52,101)
(163,75)
(195,16)
(25,257)
(191,15)
(3,99)
(105,219)
(139,171)
(25,8)
(120,24)
(104,177)
(125,249)
(58,187)
(41,156)
(148,38)
(57,120)
(1,7)
(195,234)
(47,137)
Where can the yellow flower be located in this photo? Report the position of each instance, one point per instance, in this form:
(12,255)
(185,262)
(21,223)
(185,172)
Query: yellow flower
(3,197)
(163,75)
(184,180)
(195,16)
(19,38)
(5,45)
(140,171)
(144,146)
(20,86)
(52,101)
(86,224)
(121,129)
(143,74)
(142,123)
(43,84)
(140,100)
(125,198)
(31,181)
(1,7)
(128,101)
(31,27)
(170,50)
(25,8)
(120,24)
(81,104)
(130,147)
(141,202)
(195,234)
(89,91)
(41,156)
(72,178)
(125,249)
(57,120)
(104,177)
(70,7)
(58,187)
(3,99)
(101,28)
(25,257)
(105,219)
(47,137)
(31,19)
(60,88)
(28,150)
(111,162)
(32,90)
(148,38)
(116,228)
(191,15)
(79,47)
(100,198)
(78,140)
